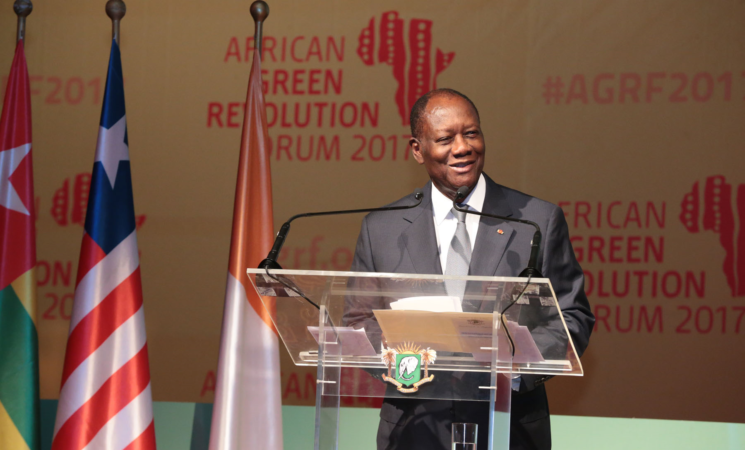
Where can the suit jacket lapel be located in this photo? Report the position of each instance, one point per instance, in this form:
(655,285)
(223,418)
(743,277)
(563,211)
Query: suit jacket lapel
(421,240)
(490,244)
(420,237)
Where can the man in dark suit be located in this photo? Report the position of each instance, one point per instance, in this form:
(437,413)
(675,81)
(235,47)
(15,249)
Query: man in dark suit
(447,140)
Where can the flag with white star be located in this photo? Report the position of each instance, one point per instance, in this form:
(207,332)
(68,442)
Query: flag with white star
(105,401)
(19,355)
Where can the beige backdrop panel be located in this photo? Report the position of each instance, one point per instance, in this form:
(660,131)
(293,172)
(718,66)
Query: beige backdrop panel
(613,109)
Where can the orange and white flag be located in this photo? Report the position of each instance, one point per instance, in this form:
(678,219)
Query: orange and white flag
(248,406)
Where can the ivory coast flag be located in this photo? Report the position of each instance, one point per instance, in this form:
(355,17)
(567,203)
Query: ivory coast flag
(248,406)
(19,355)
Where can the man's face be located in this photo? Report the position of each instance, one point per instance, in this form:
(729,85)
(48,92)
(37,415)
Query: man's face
(451,146)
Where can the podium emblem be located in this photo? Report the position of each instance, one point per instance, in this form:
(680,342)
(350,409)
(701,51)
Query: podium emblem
(407,360)
(408,368)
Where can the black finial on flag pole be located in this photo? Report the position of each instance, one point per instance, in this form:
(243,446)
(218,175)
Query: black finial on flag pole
(259,11)
(22,8)
(115,9)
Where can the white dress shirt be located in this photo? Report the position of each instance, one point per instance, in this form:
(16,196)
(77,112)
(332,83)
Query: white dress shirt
(446,222)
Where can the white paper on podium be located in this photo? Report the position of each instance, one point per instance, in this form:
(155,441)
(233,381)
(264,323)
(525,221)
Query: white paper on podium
(455,332)
(433,303)
(354,341)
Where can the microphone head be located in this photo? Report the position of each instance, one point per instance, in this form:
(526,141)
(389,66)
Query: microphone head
(418,194)
(461,194)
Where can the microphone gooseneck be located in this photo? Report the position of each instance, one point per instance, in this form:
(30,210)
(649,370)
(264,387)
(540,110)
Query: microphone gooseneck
(270,262)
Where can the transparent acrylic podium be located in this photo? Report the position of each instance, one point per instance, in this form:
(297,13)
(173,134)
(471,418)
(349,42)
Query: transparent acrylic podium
(353,321)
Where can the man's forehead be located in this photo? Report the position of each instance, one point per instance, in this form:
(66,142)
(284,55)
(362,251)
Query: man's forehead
(443,106)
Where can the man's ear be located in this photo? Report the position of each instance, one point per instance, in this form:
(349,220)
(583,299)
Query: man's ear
(416,150)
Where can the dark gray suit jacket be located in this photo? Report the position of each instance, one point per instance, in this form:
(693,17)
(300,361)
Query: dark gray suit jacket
(405,242)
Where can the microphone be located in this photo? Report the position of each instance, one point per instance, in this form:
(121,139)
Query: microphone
(531,270)
(270,262)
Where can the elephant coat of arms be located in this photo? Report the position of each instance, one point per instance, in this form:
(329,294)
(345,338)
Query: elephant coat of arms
(407,360)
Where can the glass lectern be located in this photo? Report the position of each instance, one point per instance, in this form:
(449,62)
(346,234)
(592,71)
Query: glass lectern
(407,339)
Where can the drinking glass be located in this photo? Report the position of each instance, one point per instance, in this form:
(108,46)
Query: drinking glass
(464,436)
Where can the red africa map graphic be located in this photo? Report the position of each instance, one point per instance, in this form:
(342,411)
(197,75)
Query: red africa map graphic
(65,213)
(715,212)
(392,50)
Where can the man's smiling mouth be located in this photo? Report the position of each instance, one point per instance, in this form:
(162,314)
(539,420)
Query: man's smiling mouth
(461,165)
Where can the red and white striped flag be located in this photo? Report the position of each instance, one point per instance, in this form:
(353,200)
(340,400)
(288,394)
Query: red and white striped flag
(105,401)
(248,406)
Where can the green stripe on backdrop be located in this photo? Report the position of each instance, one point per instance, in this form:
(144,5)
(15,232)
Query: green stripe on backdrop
(177,423)
(19,362)
(200,430)
(48,411)
(173,424)
(607,433)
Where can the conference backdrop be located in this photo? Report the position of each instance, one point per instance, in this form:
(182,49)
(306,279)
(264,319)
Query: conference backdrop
(628,114)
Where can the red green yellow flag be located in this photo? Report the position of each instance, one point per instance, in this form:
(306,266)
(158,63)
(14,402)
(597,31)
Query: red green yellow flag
(19,355)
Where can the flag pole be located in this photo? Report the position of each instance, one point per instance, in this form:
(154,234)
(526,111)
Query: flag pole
(22,8)
(115,9)
(259,11)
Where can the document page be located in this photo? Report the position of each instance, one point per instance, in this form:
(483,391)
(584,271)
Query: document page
(430,303)
(455,332)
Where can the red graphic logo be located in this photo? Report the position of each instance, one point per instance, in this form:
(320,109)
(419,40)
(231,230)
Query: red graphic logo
(61,211)
(392,50)
(71,208)
(715,212)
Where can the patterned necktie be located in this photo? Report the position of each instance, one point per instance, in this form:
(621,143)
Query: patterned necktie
(459,256)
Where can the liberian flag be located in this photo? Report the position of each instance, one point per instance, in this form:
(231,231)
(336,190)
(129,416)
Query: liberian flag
(19,356)
(105,401)
(248,406)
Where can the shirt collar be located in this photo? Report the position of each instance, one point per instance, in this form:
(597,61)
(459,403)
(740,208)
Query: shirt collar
(441,205)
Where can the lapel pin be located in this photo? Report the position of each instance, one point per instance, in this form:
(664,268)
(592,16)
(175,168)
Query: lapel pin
(500,231)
